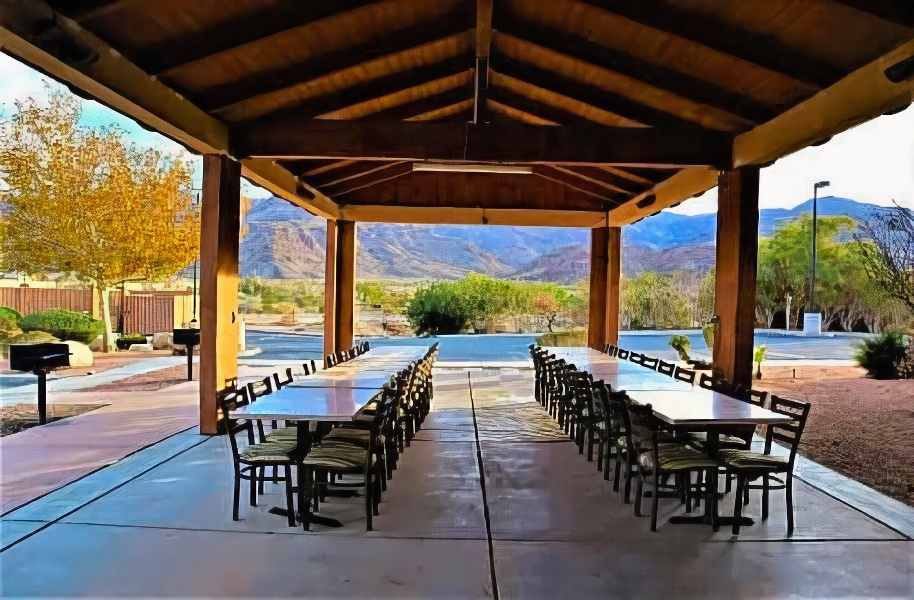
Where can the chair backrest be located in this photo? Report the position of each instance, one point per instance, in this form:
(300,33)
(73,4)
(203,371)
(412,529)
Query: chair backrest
(687,375)
(611,349)
(330,360)
(635,357)
(306,369)
(281,383)
(706,381)
(788,433)
(650,363)
(622,353)
(260,388)
(756,397)
(720,385)
(230,400)
(341,356)
(367,346)
(666,368)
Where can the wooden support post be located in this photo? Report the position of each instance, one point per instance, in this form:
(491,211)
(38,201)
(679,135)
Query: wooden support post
(345,286)
(219,241)
(613,279)
(737,258)
(599,261)
(339,286)
(330,289)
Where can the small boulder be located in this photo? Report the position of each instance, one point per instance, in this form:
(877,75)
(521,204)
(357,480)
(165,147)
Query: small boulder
(80,354)
(162,341)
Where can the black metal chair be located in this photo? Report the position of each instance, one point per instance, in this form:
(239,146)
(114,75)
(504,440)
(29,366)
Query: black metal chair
(281,383)
(666,368)
(622,354)
(636,357)
(648,362)
(250,460)
(686,375)
(749,466)
(610,349)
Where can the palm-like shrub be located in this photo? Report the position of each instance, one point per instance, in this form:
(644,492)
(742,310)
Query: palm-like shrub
(885,356)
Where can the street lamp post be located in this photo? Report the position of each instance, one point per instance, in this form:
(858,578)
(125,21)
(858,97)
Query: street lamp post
(811,304)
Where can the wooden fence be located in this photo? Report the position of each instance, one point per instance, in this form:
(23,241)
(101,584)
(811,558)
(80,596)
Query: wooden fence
(144,312)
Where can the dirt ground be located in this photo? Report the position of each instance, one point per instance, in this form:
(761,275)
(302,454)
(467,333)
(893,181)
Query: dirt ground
(18,417)
(859,427)
(149,382)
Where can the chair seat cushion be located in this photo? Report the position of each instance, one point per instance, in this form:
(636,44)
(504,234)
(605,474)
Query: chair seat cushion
(343,456)
(700,438)
(268,452)
(286,434)
(348,434)
(742,459)
(676,458)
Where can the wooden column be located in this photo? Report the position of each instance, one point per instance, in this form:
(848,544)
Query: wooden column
(339,286)
(737,262)
(605,273)
(599,261)
(219,241)
(345,284)
(613,279)
(330,287)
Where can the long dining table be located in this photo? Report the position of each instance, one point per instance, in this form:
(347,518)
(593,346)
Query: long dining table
(680,406)
(334,395)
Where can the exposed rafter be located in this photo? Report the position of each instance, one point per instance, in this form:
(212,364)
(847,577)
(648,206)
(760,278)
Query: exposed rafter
(580,48)
(588,94)
(368,91)
(605,179)
(372,177)
(763,50)
(390,44)
(285,15)
(426,105)
(539,109)
(404,140)
(571,179)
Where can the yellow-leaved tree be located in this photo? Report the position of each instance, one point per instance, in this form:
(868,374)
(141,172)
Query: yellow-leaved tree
(85,202)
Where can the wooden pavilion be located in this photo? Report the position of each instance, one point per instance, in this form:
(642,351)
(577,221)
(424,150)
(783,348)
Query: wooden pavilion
(504,112)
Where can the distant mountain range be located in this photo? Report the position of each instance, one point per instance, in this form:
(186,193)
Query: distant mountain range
(285,242)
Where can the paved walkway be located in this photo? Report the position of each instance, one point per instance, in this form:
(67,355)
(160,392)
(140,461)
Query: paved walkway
(489,501)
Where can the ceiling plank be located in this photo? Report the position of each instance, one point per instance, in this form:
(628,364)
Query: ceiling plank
(676,82)
(627,175)
(895,11)
(367,91)
(588,94)
(388,44)
(316,167)
(348,171)
(406,140)
(763,50)
(86,11)
(385,172)
(570,179)
(426,105)
(472,216)
(172,53)
(462,111)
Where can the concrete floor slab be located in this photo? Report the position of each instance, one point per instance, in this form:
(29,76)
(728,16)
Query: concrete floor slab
(105,561)
(657,567)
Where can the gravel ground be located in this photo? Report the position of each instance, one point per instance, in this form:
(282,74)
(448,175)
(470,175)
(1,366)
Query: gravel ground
(149,382)
(19,417)
(859,427)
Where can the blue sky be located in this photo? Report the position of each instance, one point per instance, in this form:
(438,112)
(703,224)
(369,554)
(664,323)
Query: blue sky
(873,162)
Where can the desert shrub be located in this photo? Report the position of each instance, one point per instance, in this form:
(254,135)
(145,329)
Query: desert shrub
(885,356)
(438,309)
(63,324)
(681,345)
(133,338)
(33,337)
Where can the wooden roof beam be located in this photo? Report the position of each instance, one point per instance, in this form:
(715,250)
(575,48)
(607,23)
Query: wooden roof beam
(472,216)
(483,46)
(86,11)
(535,108)
(700,28)
(121,85)
(351,170)
(682,185)
(606,179)
(172,53)
(659,76)
(387,44)
(406,140)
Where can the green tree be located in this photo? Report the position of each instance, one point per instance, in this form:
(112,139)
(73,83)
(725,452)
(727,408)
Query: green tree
(84,202)
(651,300)
(889,257)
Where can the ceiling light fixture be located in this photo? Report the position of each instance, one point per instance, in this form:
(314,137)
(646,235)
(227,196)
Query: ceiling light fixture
(471,168)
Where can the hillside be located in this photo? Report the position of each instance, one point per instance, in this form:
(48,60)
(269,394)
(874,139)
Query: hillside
(284,241)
